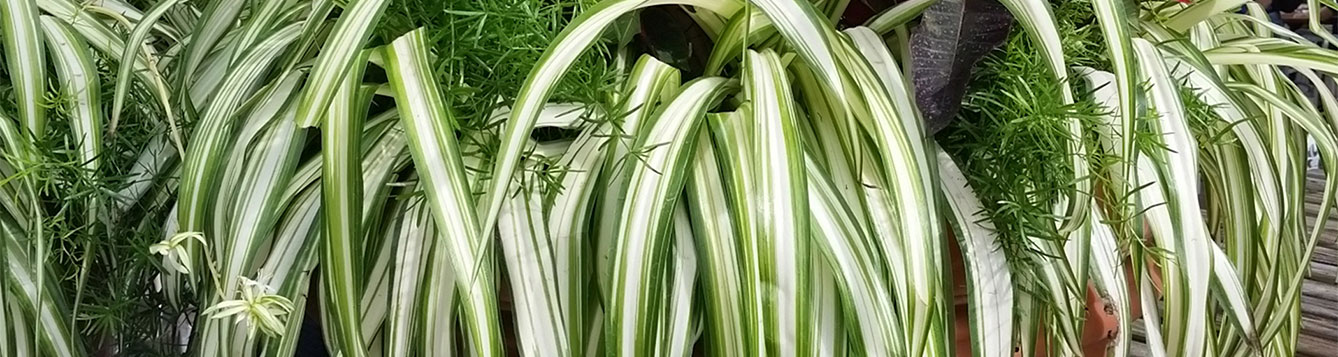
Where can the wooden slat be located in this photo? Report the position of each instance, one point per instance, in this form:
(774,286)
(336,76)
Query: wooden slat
(1315,346)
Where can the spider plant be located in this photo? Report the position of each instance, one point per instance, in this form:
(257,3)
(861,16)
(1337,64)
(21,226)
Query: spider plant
(419,171)
(1200,70)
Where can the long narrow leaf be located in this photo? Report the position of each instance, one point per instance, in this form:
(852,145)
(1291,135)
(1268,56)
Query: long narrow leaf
(528,248)
(1116,30)
(128,61)
(989,283)
(574,208)
(654,187)
(722,267)
(1186,304)
(212,132)
(295,254)
(436,158)
(341,187)
(829,336)
(733,140)
(781,239)
(649,82)
(217,17)
(676,335)
(897,16)
(23,43)
(899,169)
(337,58)
(1108,271)
(851,252)
(79,81)
(412,252)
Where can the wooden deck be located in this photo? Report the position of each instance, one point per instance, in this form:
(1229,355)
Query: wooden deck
(1319,293)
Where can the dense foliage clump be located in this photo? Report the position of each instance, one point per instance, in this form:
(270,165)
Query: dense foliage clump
(484,50)
(1011,136)
(101,257)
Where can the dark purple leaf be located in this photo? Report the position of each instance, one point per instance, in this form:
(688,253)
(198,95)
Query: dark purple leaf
(952,36)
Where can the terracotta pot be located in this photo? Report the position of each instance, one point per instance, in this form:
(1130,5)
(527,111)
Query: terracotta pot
(1099,330)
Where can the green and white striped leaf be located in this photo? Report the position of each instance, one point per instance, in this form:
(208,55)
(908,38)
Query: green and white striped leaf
(23,42)
(678,322)
(267,145)
(275,155)
(1320,132)
(337,58)
(733,139)
(1327,143)
(827,139)
(989,282)
(439,333)
(260,19)
(79,81)
(654,186)
(829,336)
(852,254)
(130,12)
(1059,294)
(1199,11)
(381,160)
(649,83)
(902,188)
(412,252)
(1262,170)
(21,343)
(1272,52)
(374,297)
(528,249)
(1107,262)
(259,166)
(1116,29)
(1151,201)
(781,240)
(1187,237)
(216,18)
(436,158)
(722,267)
(341,200)
(575,208)
(295,254)
(313,25)
(1317,9)
(812,37)
(127,65)
(95,32)
(1027,310)
(746,28)
(213,131)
